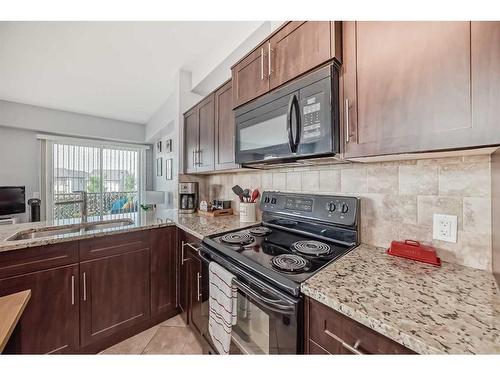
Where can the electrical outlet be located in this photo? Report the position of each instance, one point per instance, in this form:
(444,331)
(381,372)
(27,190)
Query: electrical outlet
(445,228)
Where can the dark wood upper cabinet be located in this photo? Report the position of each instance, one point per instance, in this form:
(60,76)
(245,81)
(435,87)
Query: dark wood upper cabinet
(206,149)
(114,294)
(199,137)
(294,49)
(297,48)
(163,275)
(485,60)
(224,128)
(408,86)
(250,76)
(191,140)
(50,322)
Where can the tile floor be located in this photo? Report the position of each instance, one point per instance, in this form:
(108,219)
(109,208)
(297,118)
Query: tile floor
(170,337)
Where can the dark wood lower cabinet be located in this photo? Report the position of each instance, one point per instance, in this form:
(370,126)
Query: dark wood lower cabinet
(329,332)
(163,275)
(88,295)
(115,294)
(49,323)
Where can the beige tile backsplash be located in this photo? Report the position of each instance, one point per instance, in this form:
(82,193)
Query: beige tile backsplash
(398,199)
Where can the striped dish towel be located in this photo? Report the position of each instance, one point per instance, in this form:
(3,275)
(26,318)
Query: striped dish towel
(223,307)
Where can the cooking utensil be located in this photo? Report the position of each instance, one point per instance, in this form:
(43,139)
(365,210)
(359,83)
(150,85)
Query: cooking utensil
(238,191)
(255,195)
(246,195)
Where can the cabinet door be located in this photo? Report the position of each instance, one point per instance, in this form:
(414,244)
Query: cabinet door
(224,128)
(191,140)
(297,48)
(486,80)
(114,294)
(50,322)
(206,119)
(163,275)
(197,318)
(250,76)
(407,86)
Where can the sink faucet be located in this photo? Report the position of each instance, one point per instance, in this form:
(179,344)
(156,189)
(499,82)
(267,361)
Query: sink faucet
(82,201)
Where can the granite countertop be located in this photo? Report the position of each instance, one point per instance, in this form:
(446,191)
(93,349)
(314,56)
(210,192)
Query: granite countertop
(199,226)
(431,310)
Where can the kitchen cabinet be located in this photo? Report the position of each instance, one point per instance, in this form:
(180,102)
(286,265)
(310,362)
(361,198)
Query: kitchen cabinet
(191,136)
(50,322)
(163,274)
(419,86)
(199,137)
(294,49)
(250,76)
(224,128)
(115,293)
(297,48)
(330,332)
(196,318)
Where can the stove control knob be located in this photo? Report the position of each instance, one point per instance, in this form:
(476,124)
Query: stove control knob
(273,200)
(344,208)
(331,207)
(266,200)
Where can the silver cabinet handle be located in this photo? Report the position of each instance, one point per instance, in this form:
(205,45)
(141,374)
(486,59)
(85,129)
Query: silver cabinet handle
(261,64)
(194,157)
(182,252)
(199,157)
(347,127)
(84,286)
(198,277)
(354,348)
(269,51)
(72,290)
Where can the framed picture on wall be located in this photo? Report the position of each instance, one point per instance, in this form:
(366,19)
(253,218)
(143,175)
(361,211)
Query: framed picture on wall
(168,145)
(158,146)
(159,167)
(168,168)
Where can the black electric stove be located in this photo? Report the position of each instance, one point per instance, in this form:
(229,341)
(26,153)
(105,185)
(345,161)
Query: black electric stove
(299,235)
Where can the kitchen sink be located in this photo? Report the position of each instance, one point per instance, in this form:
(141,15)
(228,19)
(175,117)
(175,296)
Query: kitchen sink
(68,229)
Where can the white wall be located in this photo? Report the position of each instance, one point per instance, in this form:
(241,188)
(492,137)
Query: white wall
(20,162)
(29,117)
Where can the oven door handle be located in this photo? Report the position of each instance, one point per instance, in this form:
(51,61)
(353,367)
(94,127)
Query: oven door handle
(275,305)
(293,107)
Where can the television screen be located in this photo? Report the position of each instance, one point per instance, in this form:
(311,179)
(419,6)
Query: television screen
(12,200)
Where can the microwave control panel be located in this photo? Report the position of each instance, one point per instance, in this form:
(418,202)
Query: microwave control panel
(311,120)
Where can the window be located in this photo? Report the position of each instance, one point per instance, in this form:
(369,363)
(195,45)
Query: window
(111,175)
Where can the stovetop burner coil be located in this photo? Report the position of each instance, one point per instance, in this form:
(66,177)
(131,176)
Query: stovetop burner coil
(313,248)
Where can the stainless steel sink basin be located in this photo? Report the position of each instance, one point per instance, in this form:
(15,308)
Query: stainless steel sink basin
(69,229)
(107,224)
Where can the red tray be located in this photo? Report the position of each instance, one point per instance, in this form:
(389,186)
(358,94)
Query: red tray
(410,249)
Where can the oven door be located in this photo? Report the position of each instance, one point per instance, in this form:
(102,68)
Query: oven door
(268,320)
(266,323)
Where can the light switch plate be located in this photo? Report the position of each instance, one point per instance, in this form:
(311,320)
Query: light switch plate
(444,228)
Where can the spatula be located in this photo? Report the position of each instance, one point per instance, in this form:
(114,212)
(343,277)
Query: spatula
(238,191)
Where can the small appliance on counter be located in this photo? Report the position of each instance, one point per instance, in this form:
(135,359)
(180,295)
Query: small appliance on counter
(34,204)
(188,197)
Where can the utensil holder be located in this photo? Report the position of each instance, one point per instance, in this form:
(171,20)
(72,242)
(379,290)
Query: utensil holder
(247,212)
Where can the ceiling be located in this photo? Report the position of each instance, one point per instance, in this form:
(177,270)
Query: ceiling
(118,70)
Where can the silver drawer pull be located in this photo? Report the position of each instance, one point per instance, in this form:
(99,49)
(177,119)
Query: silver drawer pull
(72,290)
(198,285)
(353,349)
(84,286)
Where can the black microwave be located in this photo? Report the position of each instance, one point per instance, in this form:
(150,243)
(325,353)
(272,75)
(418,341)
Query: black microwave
(297,121)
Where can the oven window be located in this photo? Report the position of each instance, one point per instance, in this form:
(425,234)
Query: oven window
(250,334)
(268,133)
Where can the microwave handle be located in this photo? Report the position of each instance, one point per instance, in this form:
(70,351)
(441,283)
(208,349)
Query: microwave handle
(293,108)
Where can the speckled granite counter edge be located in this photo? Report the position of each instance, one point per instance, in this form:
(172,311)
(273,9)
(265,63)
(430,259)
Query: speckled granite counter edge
(386,330)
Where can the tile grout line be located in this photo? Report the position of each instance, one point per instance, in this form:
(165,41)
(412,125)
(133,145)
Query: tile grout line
(151,339)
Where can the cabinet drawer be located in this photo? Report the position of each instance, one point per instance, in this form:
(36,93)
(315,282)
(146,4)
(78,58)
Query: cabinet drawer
(113,244)
(17,262)
(339,334)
